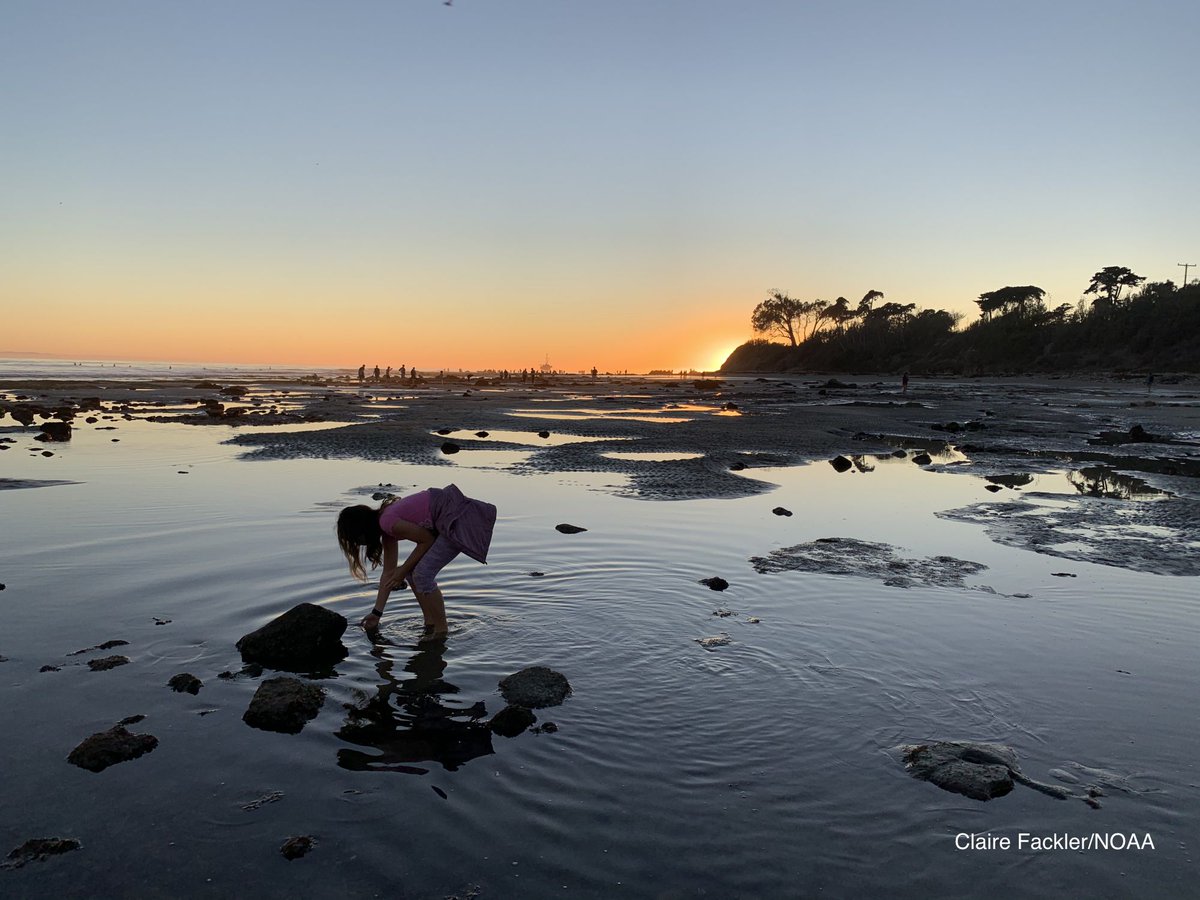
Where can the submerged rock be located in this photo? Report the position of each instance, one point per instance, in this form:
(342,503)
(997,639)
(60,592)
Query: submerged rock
(977,770)
(511,721)
(284,705)
(107,662)
(185,681)
(922,459)
(55,431)
(296,847)
(867,559)
(535,687)
(716,583)
(450,447)
(568,529)
(303,638)
(717,640)
(107,748)
(38,850)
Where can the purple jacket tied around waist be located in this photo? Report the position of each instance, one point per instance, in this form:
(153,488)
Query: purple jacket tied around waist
(466,523)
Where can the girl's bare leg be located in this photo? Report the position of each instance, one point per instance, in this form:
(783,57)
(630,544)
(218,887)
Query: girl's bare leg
(433,607)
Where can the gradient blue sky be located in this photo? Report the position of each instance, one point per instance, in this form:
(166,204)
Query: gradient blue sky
(610,183)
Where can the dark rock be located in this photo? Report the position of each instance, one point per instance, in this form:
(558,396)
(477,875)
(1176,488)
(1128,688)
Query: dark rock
(537,574)
(979,771)
(234,390)
(535,687)
(284,705)
(446,431)
(706,384)
(55,431)
(511,721)
(737,467)
(38,850)
(107,748)
(715,583)
(131,720)
(992,487)
(899,454)
(569,529)
(450,447)
(543,434)
(107,662)
(1064,574)
(780,511)
(922,459)
(841,464)
(49,668)
(304,638)
(545,728)
(296,847)
(481,434)
(108,645)
(185,681)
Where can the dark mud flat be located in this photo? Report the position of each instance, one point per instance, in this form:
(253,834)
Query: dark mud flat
(1161,537)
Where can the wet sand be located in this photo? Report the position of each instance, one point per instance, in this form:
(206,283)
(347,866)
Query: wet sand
(632,426)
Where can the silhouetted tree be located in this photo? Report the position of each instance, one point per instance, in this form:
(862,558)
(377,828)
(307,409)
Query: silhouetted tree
(783,315)
(864,305)
(777,314)
(1023,301)
(1110,280)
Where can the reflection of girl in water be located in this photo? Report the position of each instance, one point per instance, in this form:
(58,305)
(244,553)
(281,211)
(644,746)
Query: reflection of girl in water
(442,522)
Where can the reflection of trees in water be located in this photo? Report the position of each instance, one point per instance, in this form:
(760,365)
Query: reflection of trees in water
(405,722)
(1011,481)
(1099,481)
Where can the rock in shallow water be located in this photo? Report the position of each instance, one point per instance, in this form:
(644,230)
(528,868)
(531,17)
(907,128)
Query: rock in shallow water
(185,681)
(303,638)
(535,687)
(511,721)
(37,850)
(569,529)
(980,771)
(284,705)
(107,748)
(296,847)
(107,662)
(716,583)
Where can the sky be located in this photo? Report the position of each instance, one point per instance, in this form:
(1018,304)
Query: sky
(607,183)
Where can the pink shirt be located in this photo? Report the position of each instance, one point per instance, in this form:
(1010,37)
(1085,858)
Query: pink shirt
(412,508)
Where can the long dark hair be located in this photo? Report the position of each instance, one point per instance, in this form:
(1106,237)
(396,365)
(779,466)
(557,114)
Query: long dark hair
(359,537)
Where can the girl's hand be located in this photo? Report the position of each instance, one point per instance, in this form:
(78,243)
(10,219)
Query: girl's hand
(398,583)
(371,622)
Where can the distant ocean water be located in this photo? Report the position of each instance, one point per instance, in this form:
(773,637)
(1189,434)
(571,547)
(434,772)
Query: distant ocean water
(115,368)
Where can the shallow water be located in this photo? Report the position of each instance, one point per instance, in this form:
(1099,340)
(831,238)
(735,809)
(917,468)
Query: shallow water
(761,768)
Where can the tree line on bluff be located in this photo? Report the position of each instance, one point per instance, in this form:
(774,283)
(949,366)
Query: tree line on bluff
(1121,323)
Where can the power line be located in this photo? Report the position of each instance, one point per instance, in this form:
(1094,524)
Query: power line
(1186,266)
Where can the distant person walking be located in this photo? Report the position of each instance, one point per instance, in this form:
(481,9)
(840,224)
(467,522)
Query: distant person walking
(1149,382)
(442,522)
(402,371)
(362,373)
(904,383)
(387,376)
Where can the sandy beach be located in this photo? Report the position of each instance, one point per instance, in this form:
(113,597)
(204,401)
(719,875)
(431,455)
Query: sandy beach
(777,586)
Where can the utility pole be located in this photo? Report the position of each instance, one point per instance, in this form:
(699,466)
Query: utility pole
(1186,266)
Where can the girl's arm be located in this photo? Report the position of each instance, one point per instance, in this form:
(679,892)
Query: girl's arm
(393,576)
